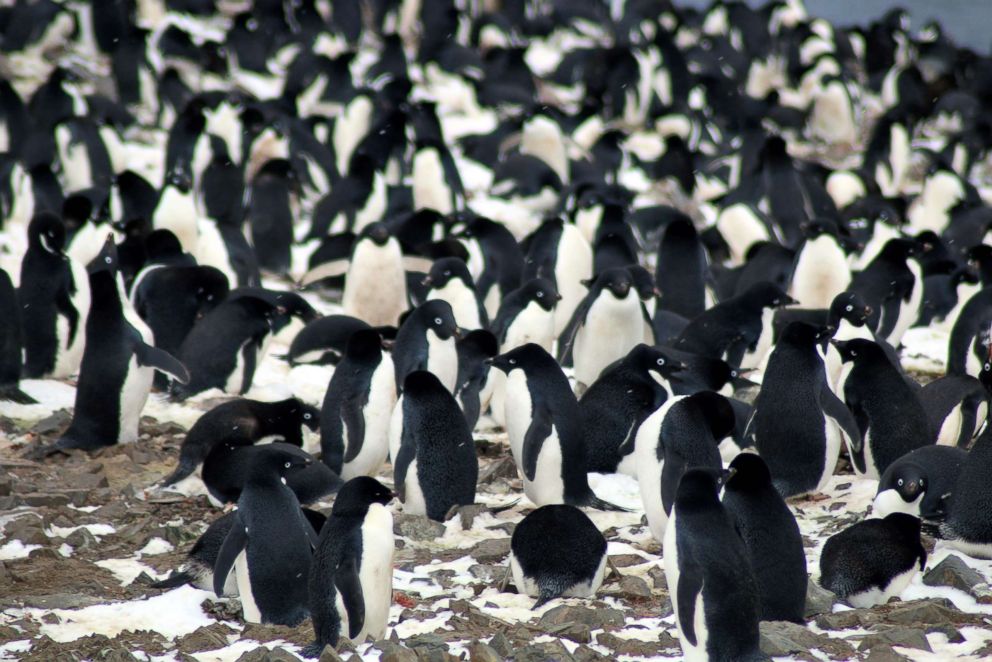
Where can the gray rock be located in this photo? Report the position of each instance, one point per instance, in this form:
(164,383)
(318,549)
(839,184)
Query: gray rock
(481,652)
(885,653)
(630,588)
(329,655)
(779,638)
(81,539)
(597,619)
(416,527)
(262,654)
(636,647)
(543,652)
(427,641)
(580,633)
(896,636)
(818,599)
(40,499)
(932,610)
(394,652)
(585,654)
(954,572)
(501,645)
(491,551)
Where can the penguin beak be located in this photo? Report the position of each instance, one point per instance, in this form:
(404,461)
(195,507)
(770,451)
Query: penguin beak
(868,311)
(558,297)
(387,344)
(789,301)
(427,281)
(459,332)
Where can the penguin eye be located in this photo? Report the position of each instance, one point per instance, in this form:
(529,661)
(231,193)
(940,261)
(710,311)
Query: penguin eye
(733,373)
(107,259)
(987,367)
(921,482)
(437,321)
(539,295)
(288,465)
(776,302)
(252,25)
(306,417)
(447,273)
(849,308)
(899,482)
(512,362)
(661,361)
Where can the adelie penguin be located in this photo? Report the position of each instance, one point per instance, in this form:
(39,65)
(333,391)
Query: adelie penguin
(10,344)
(546,437)
(270,214)
(475,349)
(355,416)
(242,421)
(969,518)
(892,284)
(270,543)
(556,551)
(324,340)
(715,594)
(873,560)
(558,251)
(426,341)
(436,467)
(351,577)
(821,271)
(450,280)
(920,483)
(54,296)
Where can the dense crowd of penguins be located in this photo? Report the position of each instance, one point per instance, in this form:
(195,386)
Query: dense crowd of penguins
(673,203)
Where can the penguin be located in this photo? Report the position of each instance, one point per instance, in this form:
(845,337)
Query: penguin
(616,404)
(821,271)
(968,345)
(738,330)
(542,422)
(558,251)
(426,341)
(495,261)
(607,324)
(920,483)
(956,407)
(242,421)
(324,340)
(799,424)
(771,537)
(116,373)
(474,349)
(270,215)
(873,560)
(375,284)
(227,470)
(527,315)
(450,280)
(556,551)
(54,297)
(682,267)
(436,468)
(684,432)
(890,419)
(716,598)
(355,416)
(270,542)
(892,285)
(10,345)
(176,209)
(968,526)
(351,576)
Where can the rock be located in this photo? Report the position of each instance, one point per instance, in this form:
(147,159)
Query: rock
(56,422)
(504,467)
(467,514)
(580,633)
(60,601)
(40,499)
(329,655)
(501,644)
(896,636)
(818,599)
(29,529)
(780,638)
(636,647)
(953,635)
(487,573)
(263,654)
(81,539)
(543,652)
(931,610)
(885,653)
(480,652)
(627,560)
(658,579)
(416,527)
(953,572)
(394,652)
(208,637)
(852,618)
(493,550)
(596,619)
(630,588)
(428,641)
(585,654)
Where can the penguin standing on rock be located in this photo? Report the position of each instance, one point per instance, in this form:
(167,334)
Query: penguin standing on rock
(436,468)
(543,424)
(715,594)
(351,577)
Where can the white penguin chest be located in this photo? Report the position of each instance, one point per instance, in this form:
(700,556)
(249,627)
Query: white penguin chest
(377,413)
(376,572)
(442,360)
(463,303)
(533,324)
(375,287)
(612,328)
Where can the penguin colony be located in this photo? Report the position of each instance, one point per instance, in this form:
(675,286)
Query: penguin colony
(679,244)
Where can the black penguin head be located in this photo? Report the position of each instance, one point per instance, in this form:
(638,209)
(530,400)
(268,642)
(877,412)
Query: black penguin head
(717,412)
(309,416)
(857,349)
(445,269)
(161,245)
(294,305)
(654,359)
(438,317)
(768,295)
(900,248)
(478,342)
(422,383)
(908,479)
(364,345)
(180,179)
(276,169)
(76,210)
(377,232)
(802,334)
(47,232)
(618,281)
(106,259)
(543,291)
(355,497)
(211,287)
(818,227)
(277,460)
(851,307)
(908,526)
(750,474)
(643,282)
(698,489)
(519,357)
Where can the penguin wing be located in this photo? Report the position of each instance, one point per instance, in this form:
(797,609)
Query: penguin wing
(690,583)
(236,540)
(64,307)
(406,455)
(541,427)
(161,360)
(349,586)
(328,269)
(354,423)
(837,411)
(249,352)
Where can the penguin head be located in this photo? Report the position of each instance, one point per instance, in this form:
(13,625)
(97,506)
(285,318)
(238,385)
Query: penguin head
(819,226)
(180,179)
(309,416)
(851,307)
(750,474)
(355,497)
(279,459)
(292,304)
(908,479)
(423,384)
(643,282)
(857,349)
(47,232)
(699,489)
(76,210)
(617,280)
(543,291)
(717,411)
(768,295)
(106,259)
(654,359)
(803,334)
(280,169)
(438,317)
(478,343)
(364,345)
(900,248)
(377,232)
(211,287)
(444,270)
(519,357)
(162,245)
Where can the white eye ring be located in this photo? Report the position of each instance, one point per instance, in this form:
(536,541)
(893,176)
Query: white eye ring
(437,321)
(988,366)
(252,25)
(849,308)
(107,259)
(289,464)
(899,482)
(661,361)
(512,362)
(447,273)
(540,295)
(306,417)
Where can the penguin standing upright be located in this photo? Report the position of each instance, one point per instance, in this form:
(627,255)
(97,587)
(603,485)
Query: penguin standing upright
(375,286)
(270,542)
(436,467)
(270,216)
(426,341)
(450,280)
(558,251)
(351,576)
(681,272)
(10,344)
(716,599)
(969,518)
(354,419)
(176,209)
(892,285)
(771,537)
(542,422)
(821,271)
(475,349)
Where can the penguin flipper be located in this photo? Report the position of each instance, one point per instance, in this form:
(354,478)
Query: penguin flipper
(64,307)
(354,423)
(849,417)
(234,543)
(161,360)
(350,588)
(250,355)
(540,429)
(329,269)
(406,455)
(690,583)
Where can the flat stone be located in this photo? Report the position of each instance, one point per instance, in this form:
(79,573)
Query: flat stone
(427,641)
(630,588)
(818,599)
(884,653)
(896,636)
(55,422)
(953,572)
(44,499)
(779,638)
(851,618)
(585,654)
(263,654)
(394,652)
(636,647)
(543,652)
(501,644)
(597,619)
(926,612)
(482,652)
(416,527)
(580,633)
(208,637)
(493,550)
(329,655)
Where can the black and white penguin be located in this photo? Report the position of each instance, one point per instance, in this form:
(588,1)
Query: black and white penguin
(887,410)
(176,209)
(436,467)
(920,483)
(324,340)
(269,214)
(822,270)
(771,537)
(616,404)
(495,261)
(557,551)
(892,285)
(450,280)
(270,542)
(475,349)
(558,251)
(355,416)
(873,560)
(606,325)
(684,432)
(351,576)
(682,267)
(968,346)
(799,424)
(54,295)
(716,599)
(246,422)
(116,373)
(10,344)
(542,422)
(969,518)
(528,314)
(426,341)
(375,284)
(957,408)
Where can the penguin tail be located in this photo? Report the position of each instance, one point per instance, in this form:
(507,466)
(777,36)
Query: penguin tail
(312,651)
(544,598)
(175,580)
(186,467)
(599,504)
(11,393)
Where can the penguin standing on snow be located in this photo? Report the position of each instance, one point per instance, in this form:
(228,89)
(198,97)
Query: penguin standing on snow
(771,537)
(10,344)
(269,544)
(426,341)
(54,296)
(351,576)
(821,271)
(920,483)
(436,468)
(546,437)
(375,285)
(556,551)
(715,594)
(354,419)
(450,280)
(873,560)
